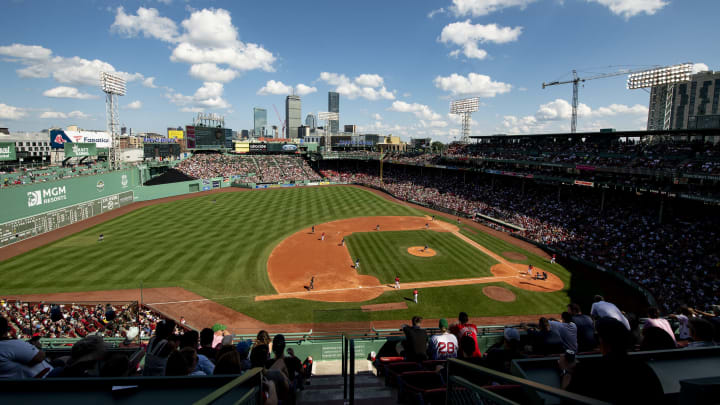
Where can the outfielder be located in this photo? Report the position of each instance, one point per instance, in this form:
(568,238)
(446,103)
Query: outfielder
(100,238)
(397,282)
(415,295)
(552,259)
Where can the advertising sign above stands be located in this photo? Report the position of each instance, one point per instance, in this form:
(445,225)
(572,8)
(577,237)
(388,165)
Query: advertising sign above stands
(175,133)
(59,137)
(73,149)
(7,151)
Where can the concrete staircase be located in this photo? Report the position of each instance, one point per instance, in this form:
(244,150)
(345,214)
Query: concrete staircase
(327,389)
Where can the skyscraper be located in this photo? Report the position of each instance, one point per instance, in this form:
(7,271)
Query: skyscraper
(695,104)
(311,121)
(334,106)
(293,112)
(259,121)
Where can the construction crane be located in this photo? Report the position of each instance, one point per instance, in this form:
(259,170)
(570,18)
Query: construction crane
(282,122)
(577,80)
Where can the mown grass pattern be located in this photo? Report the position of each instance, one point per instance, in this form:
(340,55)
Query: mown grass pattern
(220,250)
(384,255)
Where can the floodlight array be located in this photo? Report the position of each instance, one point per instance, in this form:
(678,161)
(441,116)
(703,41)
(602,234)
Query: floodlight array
(112,84)
(660,76)
(466,105)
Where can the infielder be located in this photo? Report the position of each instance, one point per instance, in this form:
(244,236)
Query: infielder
(313,229)
(342,242)
(530,270)
(322,237)
(312,283)
(377,227)
(357,263)
(397,282)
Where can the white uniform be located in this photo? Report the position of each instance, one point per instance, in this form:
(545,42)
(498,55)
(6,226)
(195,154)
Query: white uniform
(443,346)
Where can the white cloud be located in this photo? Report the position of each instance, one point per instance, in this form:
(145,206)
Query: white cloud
(477,8)
(135,105)
(148,22)
(553,116)
(474,84)
(165,2)
(67,92)
(9,112)
(369,80)
(192,109)
(468,36)
(420,110)
(434,12)
(377,117)
(207,96)
(53,115)
(77,114)
(302,90)
(210,37)
(368,86)
(275,87)
(700,67)
(30,52)
(149,82)
(40,63)
(211,72)
(631,8)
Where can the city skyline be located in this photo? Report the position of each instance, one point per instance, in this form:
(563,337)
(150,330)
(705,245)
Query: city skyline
(183,57)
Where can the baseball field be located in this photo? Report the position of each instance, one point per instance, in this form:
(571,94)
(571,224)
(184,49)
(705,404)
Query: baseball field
(255,252)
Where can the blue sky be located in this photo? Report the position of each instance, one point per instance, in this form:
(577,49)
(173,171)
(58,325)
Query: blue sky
(396,64)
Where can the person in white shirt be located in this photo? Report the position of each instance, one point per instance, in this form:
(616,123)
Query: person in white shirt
(567,331)
(20,359)
(443,346)
(683,318)
(603,309)
(654,320)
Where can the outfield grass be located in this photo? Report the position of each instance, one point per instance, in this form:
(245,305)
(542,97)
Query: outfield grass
(220,250)
(384,255)
(215,249)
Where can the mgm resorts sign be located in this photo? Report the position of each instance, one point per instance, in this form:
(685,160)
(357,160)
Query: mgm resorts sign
(46,196)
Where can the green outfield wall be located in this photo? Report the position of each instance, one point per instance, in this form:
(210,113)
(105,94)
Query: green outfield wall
(33,209)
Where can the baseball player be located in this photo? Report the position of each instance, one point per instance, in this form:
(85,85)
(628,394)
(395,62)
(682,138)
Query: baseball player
(313,229)
(544,275)
(312,283)
(433,217)
(530,270)
(445,345)
(101,237)
(377,227)
(415,295)
(427,225)
(397,282)
(342,242)
(425,248)
(357,263)
(322,237)
(552,260)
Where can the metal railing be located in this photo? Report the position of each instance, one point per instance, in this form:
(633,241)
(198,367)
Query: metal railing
(460,390)
(251,379)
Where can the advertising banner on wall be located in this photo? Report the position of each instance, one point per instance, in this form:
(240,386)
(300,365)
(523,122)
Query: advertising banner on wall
(59,137)
(73,149)
(7,151)
(175,134)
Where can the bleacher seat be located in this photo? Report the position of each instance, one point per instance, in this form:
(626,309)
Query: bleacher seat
(393,370)
(412,385)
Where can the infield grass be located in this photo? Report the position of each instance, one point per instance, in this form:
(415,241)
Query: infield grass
(384,255)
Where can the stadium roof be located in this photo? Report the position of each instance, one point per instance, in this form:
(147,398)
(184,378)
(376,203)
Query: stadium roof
(614,134)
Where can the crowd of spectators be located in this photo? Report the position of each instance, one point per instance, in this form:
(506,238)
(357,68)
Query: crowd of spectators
(686,156)
(44,320)
(48,173)
(252,168)
(677,260)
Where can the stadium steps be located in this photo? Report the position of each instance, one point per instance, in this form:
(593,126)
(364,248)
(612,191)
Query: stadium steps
(328,390)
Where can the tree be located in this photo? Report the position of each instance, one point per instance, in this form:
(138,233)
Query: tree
(437,147)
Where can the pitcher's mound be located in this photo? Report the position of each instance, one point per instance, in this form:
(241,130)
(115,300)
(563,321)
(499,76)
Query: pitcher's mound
(420,251)
(499,293)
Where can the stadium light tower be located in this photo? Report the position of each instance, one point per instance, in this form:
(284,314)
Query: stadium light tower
(327,117)
(668,76)
(113,86)
(465,107)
